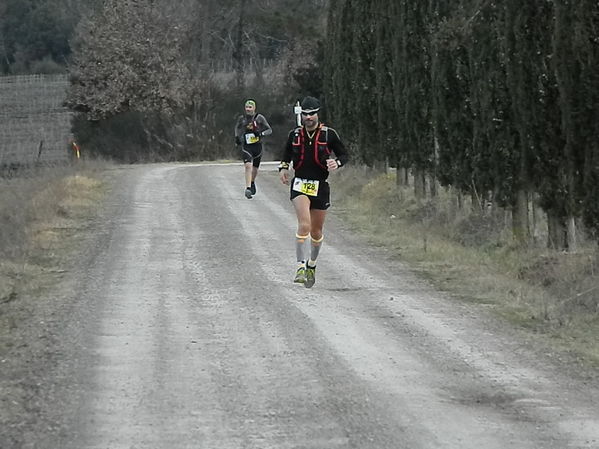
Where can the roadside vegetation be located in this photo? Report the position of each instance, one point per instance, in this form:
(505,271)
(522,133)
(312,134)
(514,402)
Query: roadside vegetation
(44,212)
(472,256)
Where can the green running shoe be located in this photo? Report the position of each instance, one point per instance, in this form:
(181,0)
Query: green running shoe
(310,277)
(300,275)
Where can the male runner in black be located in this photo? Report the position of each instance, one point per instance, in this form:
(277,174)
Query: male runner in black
(315,150)
(249,130)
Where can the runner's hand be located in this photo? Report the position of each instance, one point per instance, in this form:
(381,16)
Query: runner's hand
(332,164)
(284,176)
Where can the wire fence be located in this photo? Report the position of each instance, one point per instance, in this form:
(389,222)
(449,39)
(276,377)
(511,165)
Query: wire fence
(34,125)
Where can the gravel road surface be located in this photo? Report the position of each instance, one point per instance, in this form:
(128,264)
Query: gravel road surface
(182,329)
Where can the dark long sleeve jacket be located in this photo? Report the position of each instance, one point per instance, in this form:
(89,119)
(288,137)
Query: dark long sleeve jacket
(257,125)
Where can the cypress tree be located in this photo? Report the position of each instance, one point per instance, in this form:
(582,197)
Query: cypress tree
(362,109)
(411,89)
(386,142)
(531,83)
(575,39)
(587,50)
(490,156)
(339,82)
(333,56)
(451,108)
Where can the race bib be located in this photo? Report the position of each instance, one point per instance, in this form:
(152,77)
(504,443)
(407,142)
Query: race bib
(251,138)
(306,186)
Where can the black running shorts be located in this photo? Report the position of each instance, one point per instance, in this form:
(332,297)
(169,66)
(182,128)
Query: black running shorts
(321,201)
(252,153)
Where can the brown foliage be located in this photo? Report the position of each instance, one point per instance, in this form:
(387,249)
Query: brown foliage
(128,58)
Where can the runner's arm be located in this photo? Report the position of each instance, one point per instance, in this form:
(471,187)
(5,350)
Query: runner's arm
(286,159)
(239,131)
(337,146)
(265,129)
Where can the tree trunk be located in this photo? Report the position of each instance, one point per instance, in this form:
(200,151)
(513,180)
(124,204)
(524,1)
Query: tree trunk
(259,70)
(434,188)
(380,165)
(478,203)
(520,229)
(433,178)
(401,177)
(534,226)
(571,234)
(238,54)
(459,200)
(419,184)
(556,238)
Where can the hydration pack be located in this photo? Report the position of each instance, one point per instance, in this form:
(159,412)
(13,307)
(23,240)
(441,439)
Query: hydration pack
(321,147)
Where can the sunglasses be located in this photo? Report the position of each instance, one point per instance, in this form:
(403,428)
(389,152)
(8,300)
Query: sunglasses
(308,113)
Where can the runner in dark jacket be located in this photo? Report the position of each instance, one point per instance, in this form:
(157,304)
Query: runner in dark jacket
(249,130)
(315,150)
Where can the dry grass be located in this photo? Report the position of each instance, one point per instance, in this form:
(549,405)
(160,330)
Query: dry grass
(41,210)
(472,258)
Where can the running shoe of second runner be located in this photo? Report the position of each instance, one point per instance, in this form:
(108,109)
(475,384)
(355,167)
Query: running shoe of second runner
(310,276)
(253,188)
(300,275)
(248,193)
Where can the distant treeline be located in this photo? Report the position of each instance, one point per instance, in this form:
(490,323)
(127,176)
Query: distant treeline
(35,34)
(146,76)
(496,99)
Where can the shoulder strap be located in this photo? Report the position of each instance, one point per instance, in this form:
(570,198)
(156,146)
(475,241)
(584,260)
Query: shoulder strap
(326,134)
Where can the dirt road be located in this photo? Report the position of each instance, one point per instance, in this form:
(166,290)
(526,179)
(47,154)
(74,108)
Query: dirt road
(182,329)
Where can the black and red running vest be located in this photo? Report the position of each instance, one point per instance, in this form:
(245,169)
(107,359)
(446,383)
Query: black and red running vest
(321,150)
